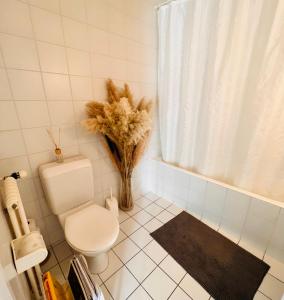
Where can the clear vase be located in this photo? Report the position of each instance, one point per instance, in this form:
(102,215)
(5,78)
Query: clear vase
(126,200)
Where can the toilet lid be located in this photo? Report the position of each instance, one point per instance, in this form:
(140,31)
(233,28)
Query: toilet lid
(92,229)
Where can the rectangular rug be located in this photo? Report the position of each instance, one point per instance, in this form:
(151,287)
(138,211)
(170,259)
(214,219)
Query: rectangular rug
(224,269)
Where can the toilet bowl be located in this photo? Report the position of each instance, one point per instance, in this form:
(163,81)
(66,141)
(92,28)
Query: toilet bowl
(92,231)
(89,229)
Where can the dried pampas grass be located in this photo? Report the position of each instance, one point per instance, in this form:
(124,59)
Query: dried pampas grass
(125,128)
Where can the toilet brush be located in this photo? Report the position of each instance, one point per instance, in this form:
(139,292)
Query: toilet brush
(112,204)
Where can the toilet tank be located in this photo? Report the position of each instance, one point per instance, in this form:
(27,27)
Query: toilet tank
(68,184)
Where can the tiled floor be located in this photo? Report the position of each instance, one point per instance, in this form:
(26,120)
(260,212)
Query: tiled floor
(139,268)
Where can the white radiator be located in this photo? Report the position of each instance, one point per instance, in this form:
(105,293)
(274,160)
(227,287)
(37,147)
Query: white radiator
(28,247)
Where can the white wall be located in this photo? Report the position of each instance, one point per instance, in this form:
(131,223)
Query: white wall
(54,57)
(255,223)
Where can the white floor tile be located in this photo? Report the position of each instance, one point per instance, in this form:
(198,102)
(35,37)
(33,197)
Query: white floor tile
(122,216)
(65,266)
(134,210)
(155,251)
(163,202)
(151,196)
(106,294)
(165,216)
(62,251)
(174,209)
(143,202)
(142,217)
(141,237)
(129,226)
(136,195)
(276,267)
(139,294)
(272,287)
(154,209)
(121,284)
(260,296)
(50,262)
(193,288)
(57,274)
(153,225)
(113,265)
(126,250)
(121,236)
(159,285)
(173,269)
(179,294)
(97,279)
(141,266)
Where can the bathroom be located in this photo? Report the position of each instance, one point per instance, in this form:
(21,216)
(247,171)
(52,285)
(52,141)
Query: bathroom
(211,157)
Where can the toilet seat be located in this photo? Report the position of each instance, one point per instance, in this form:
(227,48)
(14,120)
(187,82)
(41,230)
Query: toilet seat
(91,230)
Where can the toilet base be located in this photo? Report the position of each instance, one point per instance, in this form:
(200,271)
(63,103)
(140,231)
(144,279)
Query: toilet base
(98,263)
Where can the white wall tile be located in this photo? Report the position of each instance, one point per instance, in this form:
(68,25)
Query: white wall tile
(99,88)
(117,46)
(38,159)
(117,69)
(80,110)
(272,287)
(47,26)
(26,85)
(117,22)
(11,11)
(99,40)
(101,66)
(259,227)
(196,196)
(214,203)
(37,140)
(52,58)
(74,9)
(12,144)
(97,13)
(81,88)
(11,165)
(264,209)
(57,86)
(5,93)
(61,112)
(134,71)
(52,5)
(75,34)
(68,138)
(79,62)
(276,245)
(234,214)
(8,116)
(83,135)
(19,53)
(32,113)
(27,190)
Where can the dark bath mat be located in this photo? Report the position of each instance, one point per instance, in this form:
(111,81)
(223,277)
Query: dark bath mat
(224,269)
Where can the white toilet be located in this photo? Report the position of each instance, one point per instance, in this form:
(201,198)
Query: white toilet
(89,228)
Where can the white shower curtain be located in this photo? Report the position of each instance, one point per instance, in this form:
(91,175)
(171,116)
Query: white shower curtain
(221,90)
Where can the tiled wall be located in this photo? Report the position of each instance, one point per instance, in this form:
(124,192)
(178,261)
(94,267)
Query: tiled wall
(54,57)
(257,225)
